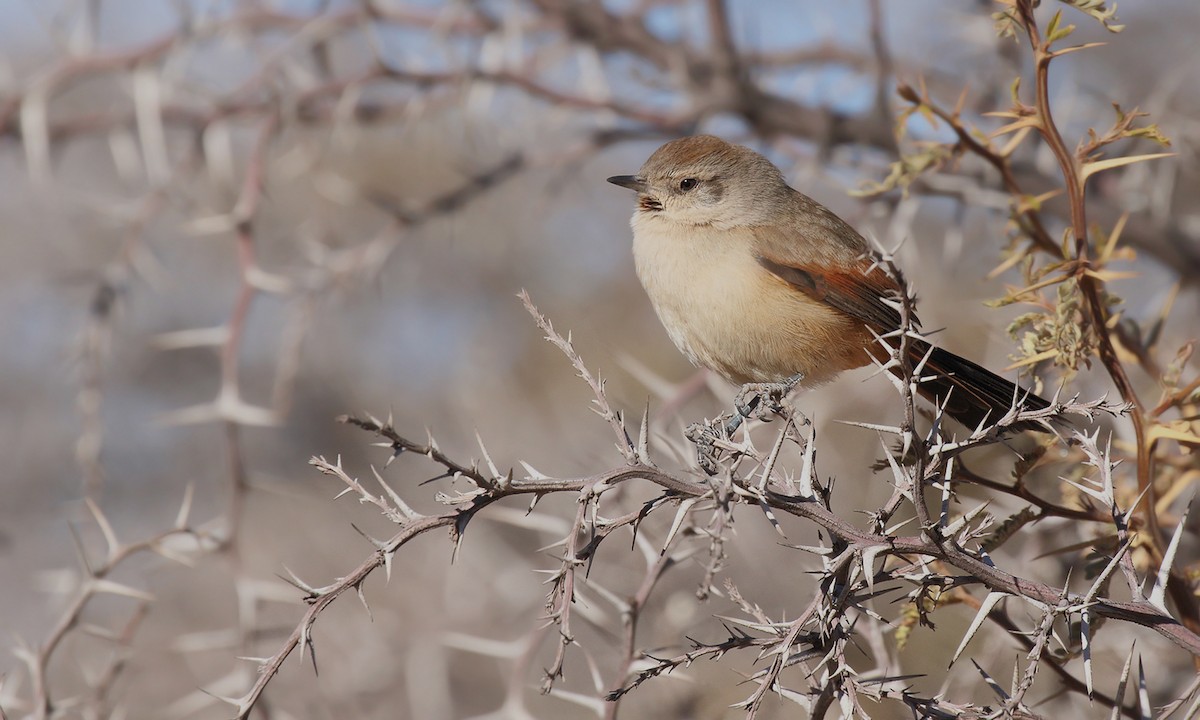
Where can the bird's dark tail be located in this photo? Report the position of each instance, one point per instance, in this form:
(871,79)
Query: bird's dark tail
(970,393)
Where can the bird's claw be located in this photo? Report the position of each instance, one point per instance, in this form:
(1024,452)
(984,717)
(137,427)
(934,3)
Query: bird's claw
(705,436)
(762,400)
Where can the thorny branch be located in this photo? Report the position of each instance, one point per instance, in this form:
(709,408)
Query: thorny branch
(1079,269)
(863,564)
(95,580)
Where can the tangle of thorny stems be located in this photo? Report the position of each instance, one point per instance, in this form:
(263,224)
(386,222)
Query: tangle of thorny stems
(1079,266)
(858,567)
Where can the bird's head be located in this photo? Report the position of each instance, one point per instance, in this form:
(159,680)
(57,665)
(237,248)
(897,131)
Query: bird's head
(703,180)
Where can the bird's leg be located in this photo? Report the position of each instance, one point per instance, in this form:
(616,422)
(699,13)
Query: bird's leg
(757,400)
(749,402)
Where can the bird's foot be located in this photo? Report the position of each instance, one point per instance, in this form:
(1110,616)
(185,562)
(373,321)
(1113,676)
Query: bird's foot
(704,435)
(761,401)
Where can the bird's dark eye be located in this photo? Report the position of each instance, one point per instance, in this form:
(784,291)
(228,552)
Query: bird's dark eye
(688,183)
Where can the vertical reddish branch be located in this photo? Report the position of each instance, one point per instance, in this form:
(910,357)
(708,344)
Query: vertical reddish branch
(1092,290)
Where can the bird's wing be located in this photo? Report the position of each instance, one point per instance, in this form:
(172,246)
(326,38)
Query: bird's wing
(824,259)
(830,273)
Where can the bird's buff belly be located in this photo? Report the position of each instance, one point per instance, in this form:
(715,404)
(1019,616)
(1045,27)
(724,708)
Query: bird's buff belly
(742,322)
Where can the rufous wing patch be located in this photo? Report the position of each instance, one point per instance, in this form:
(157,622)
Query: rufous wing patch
(858,291)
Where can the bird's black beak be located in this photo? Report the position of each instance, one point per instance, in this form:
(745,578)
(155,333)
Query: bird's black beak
(633,182)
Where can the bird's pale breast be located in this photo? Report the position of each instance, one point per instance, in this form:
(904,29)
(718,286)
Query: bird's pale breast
(724,311)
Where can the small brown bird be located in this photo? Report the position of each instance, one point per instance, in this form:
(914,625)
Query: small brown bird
(761,283)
